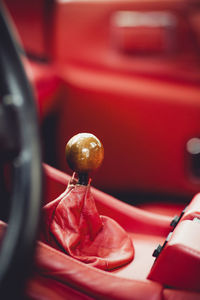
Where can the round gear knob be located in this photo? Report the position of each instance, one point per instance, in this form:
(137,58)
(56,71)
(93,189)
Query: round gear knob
(84,153)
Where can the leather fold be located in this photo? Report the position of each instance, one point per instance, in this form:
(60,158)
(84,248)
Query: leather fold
(71,223)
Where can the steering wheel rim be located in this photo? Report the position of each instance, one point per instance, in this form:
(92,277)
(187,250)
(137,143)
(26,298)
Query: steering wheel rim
(19,140)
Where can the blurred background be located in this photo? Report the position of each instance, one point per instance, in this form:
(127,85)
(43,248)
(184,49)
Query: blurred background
(127,71)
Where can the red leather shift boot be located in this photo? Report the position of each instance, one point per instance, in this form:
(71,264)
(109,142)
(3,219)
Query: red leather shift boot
(73,225)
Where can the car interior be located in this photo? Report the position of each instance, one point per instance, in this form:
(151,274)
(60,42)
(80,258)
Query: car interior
(100,149)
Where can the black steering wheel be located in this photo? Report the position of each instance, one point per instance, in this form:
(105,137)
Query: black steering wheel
(19,145)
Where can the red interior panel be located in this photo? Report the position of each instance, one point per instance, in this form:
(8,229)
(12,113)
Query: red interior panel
(193,209)
(47,86)
(34,21)
(143,107)
(178,265)
(144,129)
(146,230)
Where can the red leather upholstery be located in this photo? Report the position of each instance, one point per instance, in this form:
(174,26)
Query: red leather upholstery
(193,209)
(129,282)
(59,276)
(73,224)
(41,287)
(97,283)
(178,265)
(170,294)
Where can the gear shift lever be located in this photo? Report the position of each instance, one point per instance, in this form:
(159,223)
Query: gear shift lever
(84,153)
(72,223)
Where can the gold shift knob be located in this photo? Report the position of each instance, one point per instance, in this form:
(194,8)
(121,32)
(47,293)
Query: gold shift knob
(84,153)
